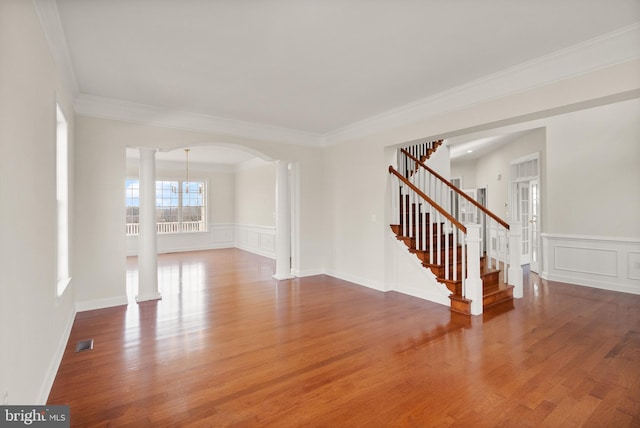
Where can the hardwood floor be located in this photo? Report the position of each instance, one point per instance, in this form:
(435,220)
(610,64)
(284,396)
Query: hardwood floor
(229,346)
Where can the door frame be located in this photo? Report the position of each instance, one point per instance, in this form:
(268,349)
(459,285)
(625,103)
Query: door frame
(528,176)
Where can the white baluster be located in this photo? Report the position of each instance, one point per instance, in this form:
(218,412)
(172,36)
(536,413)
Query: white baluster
(446,250)
(410,208)
(431,246)
(424,230)
(439,234)
(455,255)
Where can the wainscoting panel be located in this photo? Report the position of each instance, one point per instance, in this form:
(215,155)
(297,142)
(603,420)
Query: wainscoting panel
(256,239)
(223,235)
(634,266)
(600,262)
(586,260)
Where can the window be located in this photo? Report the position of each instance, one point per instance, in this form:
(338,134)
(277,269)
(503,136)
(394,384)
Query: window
(62,198)
(180,206)
(133,206)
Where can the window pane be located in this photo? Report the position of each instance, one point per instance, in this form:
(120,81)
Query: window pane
(193,210)
(132,198)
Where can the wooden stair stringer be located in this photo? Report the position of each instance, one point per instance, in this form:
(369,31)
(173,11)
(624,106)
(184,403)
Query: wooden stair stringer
(494,291)
(413,279)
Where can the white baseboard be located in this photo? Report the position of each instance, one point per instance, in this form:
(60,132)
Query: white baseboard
(89,305)
(168,250)
(593,261)
(357,280)
(307,272)
(47,384)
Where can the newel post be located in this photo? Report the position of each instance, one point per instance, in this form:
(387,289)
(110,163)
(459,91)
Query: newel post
(514,273)
(473,283)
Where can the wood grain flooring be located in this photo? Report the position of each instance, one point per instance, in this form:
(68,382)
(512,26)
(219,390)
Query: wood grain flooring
(229,346)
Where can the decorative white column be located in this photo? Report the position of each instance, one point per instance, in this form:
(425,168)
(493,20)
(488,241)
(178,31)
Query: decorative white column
(514,273)
(473,283)
(283,222)
(147,235)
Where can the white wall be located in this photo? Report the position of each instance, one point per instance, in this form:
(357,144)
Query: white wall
(255,187)
(355,182)
(466,170)
(492,171)
(34,323)
(592,233)
(595,155)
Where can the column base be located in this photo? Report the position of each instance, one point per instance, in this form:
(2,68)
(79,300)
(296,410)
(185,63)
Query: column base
(283,277)
(148,297)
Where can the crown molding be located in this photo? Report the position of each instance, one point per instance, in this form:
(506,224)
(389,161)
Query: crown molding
(604,51)
(610,49)
(47,11)
(107,108)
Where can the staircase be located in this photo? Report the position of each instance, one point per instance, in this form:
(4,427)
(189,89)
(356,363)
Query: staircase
(470,259)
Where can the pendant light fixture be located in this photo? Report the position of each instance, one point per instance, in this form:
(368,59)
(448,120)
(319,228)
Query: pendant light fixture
(186,151)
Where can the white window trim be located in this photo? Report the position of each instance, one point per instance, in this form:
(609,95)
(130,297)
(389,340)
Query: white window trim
(62,202)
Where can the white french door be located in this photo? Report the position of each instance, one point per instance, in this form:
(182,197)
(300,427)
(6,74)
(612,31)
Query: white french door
(523,202)
(534,233)
(525,199)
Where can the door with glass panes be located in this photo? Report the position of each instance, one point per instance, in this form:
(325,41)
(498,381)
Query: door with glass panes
(526,208)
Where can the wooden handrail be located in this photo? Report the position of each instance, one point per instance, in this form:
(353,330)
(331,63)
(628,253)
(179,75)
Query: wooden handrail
(428,199)
(458,191)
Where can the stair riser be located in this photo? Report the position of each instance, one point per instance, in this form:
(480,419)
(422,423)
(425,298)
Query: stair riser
(497,297)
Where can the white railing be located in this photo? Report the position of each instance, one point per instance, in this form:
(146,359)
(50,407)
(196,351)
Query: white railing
(170,227)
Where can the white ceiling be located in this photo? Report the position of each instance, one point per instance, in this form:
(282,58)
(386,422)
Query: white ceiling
(313,66)
(306,67)
(468,147)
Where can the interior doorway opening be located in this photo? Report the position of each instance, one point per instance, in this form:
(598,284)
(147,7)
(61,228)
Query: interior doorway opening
(525,200)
